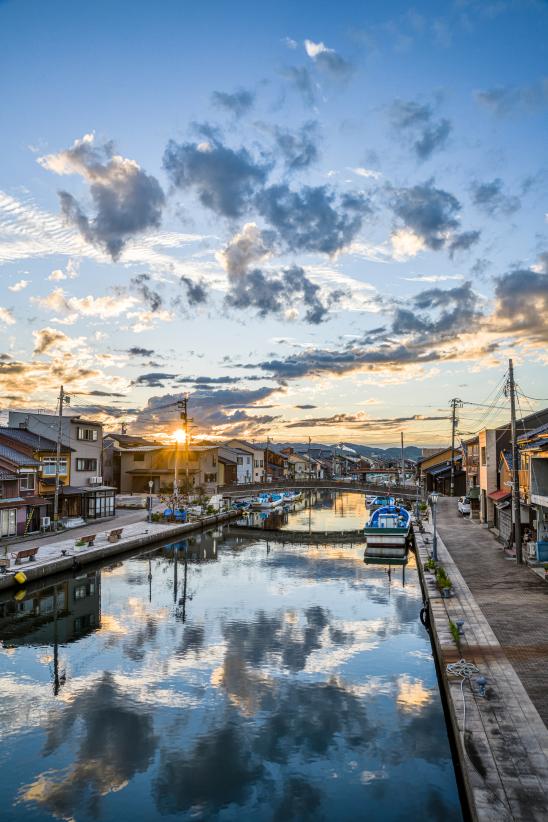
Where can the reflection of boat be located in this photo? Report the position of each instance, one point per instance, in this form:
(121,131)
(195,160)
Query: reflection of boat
(241,505)
(378,502)
(369,499)
(292,496)
(265,502)
(387,532)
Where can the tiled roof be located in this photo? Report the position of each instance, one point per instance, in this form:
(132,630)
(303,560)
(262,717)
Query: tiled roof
(25,437)
(530,435)
(16,456)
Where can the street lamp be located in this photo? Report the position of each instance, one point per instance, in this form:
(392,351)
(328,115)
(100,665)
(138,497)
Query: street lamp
(150,487)
(433,502)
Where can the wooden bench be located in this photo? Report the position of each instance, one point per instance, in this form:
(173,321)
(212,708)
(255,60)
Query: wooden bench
(89,540)
(114,535)
(25,553)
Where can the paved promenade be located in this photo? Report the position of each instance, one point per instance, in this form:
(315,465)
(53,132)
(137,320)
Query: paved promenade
(513,599)
(501,739)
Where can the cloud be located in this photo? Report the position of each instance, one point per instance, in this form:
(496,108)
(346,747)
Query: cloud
(217,411)
(299,149)
(414,120)
(151,298)
(19,285)
(136,351)
(276,294)
(47,340)
(314,218)
(458,309)
(251,287)
(127,200)
(521,302)
(58,274)
(196,291)
(105,307)
(463,241)
(507,100)
(237,103)
(6,316)
(328,60)
(301,79)
(369,173)
(249,246)
(490,198)
(432,216)
(155,379)
(361,421)
(224,179)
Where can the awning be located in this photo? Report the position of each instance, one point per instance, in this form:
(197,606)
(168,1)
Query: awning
(498,496)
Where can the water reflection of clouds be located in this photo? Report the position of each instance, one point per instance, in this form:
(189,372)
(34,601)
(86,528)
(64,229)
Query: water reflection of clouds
(116,741)
(260,707)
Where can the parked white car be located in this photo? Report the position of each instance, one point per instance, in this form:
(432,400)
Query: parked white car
(464,505)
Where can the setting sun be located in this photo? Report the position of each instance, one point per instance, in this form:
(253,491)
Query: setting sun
(179,436)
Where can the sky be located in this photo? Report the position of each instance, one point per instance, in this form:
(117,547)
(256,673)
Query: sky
(320,220)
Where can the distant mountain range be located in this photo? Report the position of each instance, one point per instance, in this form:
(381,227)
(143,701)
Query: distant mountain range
(411,452)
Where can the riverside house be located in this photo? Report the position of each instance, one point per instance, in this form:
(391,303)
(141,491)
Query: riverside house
(82,491)
(21,508)
(156,464)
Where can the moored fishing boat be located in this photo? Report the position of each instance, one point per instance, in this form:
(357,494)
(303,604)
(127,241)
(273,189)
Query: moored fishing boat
(380,502)
(265,502)
(387,532)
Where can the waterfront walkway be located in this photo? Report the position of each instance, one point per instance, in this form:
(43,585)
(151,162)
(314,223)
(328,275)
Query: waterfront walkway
(513,599)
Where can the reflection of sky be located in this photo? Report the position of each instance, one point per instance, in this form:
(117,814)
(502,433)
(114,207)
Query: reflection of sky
(300,686)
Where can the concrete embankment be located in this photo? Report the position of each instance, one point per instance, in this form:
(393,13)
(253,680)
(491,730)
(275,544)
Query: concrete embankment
(63,556)
(500,739)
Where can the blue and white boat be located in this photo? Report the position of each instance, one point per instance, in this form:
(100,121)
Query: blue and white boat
(381,502)
(265,502)
(387,532)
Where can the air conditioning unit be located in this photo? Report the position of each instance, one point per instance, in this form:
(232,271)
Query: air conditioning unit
(45,522)
(95,480)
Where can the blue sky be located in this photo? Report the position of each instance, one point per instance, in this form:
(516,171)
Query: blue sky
(272,207)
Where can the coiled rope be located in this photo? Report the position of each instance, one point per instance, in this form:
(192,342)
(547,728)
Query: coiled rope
(464,670)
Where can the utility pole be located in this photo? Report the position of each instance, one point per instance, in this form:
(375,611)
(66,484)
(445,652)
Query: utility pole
(182,405)
(266,460)
(454,403)
(309,465)
(123,428)
(516,511)
(62,400)
(402,461)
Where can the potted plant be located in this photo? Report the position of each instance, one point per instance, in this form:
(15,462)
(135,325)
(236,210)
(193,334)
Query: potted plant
(546,571)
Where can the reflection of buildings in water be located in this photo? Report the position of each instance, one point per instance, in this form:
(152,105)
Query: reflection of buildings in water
(58,613)
(199,548)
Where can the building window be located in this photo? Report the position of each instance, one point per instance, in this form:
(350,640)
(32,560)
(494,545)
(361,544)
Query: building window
(86,464)
(138,458)
(89,434)
(483,455)
(240,460)
(8,522)
(49,464)
(27,482)
(210,477)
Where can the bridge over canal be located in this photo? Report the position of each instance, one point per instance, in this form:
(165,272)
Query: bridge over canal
(235,491)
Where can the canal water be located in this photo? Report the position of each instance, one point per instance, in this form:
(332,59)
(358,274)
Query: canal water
(228,679)
(317,509)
